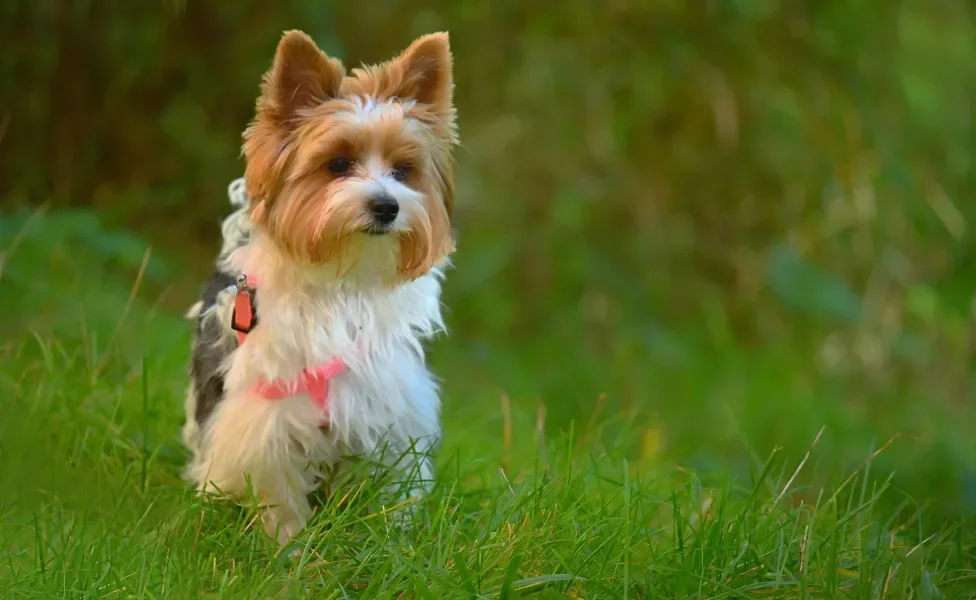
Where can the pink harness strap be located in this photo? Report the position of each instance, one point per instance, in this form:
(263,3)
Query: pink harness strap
(313,381)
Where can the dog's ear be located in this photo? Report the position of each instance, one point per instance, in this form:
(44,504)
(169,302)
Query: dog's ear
(302,76)
(426,68)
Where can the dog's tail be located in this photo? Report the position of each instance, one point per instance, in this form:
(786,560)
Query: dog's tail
(237,192)
(236,228)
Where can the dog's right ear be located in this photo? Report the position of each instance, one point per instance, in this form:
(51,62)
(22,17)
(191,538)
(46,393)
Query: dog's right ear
(302,76)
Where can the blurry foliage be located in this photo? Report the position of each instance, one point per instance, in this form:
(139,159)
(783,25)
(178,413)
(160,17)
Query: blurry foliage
(754,171)
(81,291)
(134,108)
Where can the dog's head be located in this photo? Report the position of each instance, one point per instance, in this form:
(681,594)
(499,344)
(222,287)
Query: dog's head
(338,162)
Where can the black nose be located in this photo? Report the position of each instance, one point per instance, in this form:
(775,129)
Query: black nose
(384,208)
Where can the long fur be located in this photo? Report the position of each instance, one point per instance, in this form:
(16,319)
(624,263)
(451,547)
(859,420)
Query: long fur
(326,289)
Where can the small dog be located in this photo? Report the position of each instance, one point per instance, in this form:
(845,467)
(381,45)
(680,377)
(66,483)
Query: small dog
(308,337)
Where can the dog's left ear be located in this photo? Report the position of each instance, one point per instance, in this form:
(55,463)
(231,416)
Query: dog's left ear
(427,71)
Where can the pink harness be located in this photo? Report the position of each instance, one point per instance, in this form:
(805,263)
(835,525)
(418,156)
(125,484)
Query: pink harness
(313,381)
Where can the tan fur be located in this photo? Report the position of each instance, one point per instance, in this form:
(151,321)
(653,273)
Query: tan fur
(306,115)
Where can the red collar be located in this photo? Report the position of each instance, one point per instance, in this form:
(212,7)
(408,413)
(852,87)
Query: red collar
(313,381)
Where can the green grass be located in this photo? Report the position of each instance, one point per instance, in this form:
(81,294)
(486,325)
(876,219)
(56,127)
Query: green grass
(91,504)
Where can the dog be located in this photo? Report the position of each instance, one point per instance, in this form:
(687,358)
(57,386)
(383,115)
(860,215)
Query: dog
(308,340)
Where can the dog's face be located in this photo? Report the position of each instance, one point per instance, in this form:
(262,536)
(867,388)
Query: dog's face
(337,162)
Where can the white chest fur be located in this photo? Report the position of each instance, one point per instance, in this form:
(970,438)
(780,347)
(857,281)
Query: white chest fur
(385,399)
(307,319)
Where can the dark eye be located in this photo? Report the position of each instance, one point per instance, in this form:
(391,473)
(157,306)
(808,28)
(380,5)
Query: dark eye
(401,171)
(339,166)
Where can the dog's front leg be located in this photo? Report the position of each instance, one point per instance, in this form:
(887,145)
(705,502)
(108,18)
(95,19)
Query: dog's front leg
(268,448)
(410,473)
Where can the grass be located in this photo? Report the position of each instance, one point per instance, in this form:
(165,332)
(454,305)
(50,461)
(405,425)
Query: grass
(92,505)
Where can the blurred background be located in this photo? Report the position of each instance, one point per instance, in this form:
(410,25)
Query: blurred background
(727,223)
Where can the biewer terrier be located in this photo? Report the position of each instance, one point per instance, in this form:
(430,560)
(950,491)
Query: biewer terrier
(308,341)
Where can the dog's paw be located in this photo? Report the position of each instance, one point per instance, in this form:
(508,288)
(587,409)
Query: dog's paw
(282,523)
